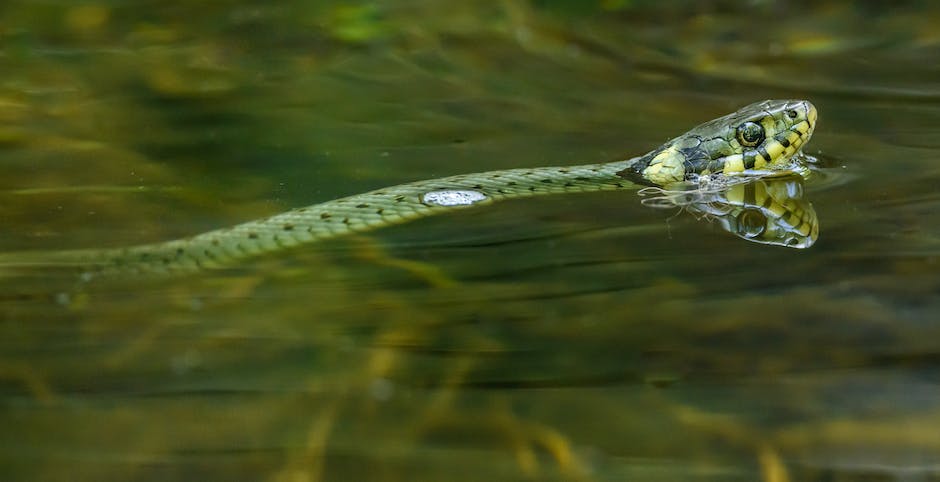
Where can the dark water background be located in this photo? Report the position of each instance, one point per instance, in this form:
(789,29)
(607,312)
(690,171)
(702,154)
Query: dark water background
(565,338)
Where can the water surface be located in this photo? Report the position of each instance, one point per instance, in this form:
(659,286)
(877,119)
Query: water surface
(561,338)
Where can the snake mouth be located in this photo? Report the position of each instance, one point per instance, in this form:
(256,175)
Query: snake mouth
(811,114)
(805,123)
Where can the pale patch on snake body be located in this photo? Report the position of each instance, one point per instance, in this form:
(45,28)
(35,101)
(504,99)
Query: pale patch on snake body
(453,197)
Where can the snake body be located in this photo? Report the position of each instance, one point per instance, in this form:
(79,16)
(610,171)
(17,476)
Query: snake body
(765,136)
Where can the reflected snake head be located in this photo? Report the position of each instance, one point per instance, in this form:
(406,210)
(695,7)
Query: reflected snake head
(769,211)
(763,210)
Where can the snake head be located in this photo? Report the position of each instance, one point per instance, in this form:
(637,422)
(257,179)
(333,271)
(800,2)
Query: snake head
(764,136)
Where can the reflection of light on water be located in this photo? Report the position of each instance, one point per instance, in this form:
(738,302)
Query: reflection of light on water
(766,210)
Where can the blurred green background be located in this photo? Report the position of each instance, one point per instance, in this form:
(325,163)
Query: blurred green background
(566,338)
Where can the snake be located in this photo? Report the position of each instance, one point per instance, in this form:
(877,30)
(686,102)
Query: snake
(763,138)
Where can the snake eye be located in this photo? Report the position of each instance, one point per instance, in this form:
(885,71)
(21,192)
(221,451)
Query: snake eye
(791,113)
(750,134)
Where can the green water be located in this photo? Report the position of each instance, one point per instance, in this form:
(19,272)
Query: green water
(583,338)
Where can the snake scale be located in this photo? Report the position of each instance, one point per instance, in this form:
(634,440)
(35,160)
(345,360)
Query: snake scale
(762,137)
